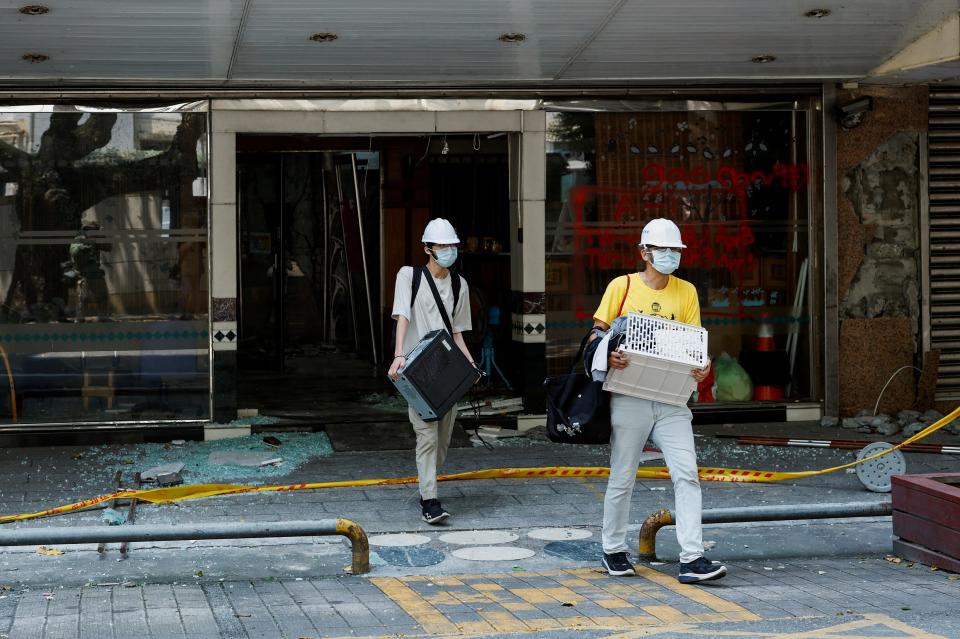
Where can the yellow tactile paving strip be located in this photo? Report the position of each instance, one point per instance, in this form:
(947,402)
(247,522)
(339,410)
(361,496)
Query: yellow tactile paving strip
(582,598)
(652,605)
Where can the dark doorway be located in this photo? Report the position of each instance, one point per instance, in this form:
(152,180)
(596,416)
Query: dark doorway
(309,255)
(324,229)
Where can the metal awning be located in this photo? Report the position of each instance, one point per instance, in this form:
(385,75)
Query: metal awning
(391,43)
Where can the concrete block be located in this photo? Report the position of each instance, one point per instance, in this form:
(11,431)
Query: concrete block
(803,412)
(214,432)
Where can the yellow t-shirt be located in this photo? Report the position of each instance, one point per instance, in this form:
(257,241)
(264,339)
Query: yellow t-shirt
(676,301)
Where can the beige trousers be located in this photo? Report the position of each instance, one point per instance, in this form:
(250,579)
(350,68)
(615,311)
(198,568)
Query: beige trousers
(433,440)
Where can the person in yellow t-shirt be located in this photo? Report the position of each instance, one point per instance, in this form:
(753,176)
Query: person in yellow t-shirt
(657,292)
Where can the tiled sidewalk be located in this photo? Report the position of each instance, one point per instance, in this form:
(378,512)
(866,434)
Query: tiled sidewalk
(832,596)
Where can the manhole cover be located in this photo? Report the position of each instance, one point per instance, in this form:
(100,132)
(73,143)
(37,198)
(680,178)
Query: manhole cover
(559,534)
(575,550)
(478,537)
(399,540)
(493,553)
(416,556)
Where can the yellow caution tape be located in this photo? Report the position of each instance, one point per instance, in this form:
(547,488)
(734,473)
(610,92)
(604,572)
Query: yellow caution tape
(198,491)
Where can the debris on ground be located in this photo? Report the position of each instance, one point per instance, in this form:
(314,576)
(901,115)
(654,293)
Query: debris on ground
(217,460)
(491,406)
(907,422)
(248,458)
(151,474)
(507,437)
(389,402)
(50,552)
(112,517)
(169,479)
(272,441)
(255,420)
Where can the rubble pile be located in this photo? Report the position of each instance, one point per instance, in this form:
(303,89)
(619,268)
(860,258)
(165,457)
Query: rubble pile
(906,423)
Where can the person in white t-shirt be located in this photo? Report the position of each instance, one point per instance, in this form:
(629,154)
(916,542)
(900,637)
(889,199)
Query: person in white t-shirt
(417,317)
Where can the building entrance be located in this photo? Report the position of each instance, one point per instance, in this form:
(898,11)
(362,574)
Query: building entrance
(324,226)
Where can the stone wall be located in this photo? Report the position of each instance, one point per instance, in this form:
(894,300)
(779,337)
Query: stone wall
(879,184)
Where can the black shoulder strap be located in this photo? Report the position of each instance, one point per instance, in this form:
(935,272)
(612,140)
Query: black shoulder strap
(440,306)
(415,282)
(456,290)
(578,358)
(419,272)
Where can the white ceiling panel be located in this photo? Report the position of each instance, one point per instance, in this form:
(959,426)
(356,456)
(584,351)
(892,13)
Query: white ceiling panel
(438,40)
(120,39)
(709,39)
(417,42)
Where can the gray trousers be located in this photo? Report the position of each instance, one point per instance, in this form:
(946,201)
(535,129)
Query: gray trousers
(433,441)
(634,421)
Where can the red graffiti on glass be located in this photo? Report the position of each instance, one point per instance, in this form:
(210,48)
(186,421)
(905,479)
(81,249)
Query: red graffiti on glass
(710,208)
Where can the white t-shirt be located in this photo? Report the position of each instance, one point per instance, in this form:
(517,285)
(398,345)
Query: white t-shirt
(425,316)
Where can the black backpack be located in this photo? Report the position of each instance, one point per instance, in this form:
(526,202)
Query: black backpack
(578,409)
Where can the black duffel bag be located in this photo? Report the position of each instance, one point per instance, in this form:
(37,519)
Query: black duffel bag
(578,410)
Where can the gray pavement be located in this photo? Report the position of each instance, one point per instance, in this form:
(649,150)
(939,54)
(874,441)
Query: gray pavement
(828,579)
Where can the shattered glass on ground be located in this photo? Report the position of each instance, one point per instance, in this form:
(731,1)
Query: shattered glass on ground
(200,459)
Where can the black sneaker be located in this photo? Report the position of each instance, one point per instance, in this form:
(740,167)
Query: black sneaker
(433,512)
(618,565)
(701,569)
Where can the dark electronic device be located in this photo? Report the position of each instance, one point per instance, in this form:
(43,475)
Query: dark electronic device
(436,376)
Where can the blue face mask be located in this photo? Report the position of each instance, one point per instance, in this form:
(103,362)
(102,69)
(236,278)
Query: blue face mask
(446,256)
(665,260)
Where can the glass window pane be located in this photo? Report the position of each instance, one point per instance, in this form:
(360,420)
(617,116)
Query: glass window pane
(103,266)
(736,184)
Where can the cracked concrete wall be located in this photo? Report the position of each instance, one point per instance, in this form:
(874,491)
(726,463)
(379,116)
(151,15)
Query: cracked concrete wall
(879,184)
(884,191)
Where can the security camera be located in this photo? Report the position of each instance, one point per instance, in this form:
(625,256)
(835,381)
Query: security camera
(851,115)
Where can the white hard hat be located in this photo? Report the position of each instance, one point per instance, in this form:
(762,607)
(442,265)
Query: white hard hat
(661,232)
(440,231)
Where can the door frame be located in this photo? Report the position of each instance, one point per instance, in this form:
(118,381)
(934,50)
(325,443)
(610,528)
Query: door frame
(523,121)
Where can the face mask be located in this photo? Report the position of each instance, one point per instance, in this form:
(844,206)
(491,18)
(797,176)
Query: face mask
(666,261)
(446,256)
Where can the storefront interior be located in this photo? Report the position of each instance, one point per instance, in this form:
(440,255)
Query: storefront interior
(737,181)
(324,225)
(104,290)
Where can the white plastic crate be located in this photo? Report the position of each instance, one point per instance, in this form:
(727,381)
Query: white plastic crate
(662,353)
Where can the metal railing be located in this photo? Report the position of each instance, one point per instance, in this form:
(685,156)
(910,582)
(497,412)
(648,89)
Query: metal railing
(244,530)
(656,521)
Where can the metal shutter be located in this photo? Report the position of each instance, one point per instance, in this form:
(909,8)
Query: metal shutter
(944,237)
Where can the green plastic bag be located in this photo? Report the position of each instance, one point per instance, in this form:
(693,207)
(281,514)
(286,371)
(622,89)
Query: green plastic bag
(732,382)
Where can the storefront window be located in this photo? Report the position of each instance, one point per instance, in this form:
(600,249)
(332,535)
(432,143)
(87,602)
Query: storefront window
(736,182)
(103,265)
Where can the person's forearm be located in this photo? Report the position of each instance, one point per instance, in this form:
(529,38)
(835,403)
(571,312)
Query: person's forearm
(593,332)
(402,324)
(458,340)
